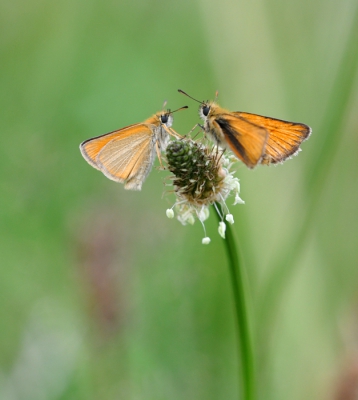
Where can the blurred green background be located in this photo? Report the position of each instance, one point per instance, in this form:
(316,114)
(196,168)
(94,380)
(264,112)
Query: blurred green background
(102,296)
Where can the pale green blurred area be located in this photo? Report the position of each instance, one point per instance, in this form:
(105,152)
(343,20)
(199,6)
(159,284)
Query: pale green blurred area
(102,296)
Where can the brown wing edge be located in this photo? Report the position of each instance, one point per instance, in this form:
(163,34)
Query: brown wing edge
(242,114)
(83,151)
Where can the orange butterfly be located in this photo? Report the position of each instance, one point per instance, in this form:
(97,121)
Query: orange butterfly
(127,155)
(254,139)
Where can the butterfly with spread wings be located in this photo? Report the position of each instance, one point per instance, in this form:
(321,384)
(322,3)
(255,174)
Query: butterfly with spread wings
(254,139)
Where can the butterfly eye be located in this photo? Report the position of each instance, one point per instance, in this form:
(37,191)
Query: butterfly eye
(206,110)
(164,118)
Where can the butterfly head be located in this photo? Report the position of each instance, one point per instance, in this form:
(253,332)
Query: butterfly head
(206,109)
(165,118)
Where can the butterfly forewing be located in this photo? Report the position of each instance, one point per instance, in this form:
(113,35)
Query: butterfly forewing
(284,137)
(91,147)
(245,139)
(128,159)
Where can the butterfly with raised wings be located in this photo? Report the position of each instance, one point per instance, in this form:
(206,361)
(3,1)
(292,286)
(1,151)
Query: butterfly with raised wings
(128,154)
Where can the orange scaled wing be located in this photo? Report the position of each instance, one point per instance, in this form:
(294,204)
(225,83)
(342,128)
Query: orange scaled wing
(284,137)
(90,148)
(125,155)
(245,139)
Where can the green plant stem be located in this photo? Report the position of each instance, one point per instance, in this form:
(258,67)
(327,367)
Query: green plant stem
(245,342)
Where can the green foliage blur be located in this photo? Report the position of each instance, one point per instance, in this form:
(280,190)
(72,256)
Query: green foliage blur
(102,296)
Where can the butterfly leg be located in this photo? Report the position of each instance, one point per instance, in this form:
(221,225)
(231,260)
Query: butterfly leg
(173,133)
(192,129)
(158,154)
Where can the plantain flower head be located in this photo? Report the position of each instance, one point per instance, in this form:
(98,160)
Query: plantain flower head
(201,177)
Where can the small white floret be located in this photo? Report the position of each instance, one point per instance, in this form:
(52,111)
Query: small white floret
(238,200)
(191,219)
(170,213)
(203,214)
(206,240)
(222,229)
(237,186)
(229,218)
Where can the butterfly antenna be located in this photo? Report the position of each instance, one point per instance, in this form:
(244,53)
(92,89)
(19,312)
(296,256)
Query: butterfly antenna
(186,94)
(181,108)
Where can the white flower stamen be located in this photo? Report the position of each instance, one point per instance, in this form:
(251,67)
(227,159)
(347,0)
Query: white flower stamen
(222,229)
(218,211)
(203,214)
(229,218)
(205,240)
(170,213)
(238,200)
